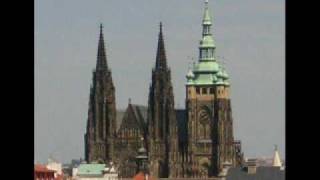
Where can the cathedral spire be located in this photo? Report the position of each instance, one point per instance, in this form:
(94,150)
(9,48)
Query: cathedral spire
(161,61)
(101,58)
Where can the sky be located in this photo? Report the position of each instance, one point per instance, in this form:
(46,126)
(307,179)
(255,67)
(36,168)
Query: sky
(250,39)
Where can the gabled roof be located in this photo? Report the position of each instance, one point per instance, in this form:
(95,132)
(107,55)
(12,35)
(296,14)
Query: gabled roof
(140,113)
(119,118)
(132,116)
(262,173)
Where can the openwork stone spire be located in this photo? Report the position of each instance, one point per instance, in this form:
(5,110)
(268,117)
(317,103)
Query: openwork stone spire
(161,60)
(161,115)
(101,122)
(101,57)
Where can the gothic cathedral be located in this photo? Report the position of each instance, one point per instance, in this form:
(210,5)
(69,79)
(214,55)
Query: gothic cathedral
(195,142)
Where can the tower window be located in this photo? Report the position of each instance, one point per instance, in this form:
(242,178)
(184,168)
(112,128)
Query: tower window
(198,90)
(204,90)
(211,90)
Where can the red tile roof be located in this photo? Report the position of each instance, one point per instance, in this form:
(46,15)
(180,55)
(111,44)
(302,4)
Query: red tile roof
(141,176)
(42,168)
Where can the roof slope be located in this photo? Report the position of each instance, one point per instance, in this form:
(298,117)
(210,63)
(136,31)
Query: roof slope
(135,116)
(262,173)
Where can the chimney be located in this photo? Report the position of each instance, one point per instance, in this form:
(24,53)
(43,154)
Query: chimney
(252,166)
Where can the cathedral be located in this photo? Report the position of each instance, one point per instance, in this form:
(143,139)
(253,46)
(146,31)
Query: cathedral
(195,142)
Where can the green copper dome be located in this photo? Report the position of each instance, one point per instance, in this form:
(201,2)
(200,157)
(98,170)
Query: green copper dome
(225,75)
(220,74)
(190,74)
(207,71)
(219,82)
(207,41)
(190,77)
(208,66)
(215,79)
(203,79)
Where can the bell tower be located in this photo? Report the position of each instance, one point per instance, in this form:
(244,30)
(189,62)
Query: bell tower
(101,122)
(210,134)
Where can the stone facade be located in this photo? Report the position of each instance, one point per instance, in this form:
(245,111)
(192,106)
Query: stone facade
(101,124)
(162,127)
(194,142)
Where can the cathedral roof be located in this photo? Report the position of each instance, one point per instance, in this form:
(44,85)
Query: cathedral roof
(139,111)
(120,114)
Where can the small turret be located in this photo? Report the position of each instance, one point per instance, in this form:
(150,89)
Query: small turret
(142,159)
(190,76)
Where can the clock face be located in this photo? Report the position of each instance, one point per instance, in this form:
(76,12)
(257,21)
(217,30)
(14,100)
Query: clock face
(204,116)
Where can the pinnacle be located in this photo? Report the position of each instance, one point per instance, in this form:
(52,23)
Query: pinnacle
(101,59)
(161,55)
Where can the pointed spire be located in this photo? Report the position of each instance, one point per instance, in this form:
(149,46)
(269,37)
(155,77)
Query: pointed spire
(161,61)
(276,158)
(206,17)
(101,59)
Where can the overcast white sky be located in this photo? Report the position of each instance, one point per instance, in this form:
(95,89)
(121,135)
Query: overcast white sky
(249,34)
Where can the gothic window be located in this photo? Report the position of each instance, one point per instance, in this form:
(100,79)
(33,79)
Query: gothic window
(201,131)
(207,130)
(204,119)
